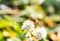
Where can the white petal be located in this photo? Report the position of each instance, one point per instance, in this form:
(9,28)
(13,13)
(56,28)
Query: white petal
(40,1)
(40,33)
(29,25)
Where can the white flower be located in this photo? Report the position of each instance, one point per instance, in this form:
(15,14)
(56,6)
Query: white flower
(13,39)
(6,8)
(40,33)
(9,39)
(28,25)
(26,1)
(5,33)
(40,1)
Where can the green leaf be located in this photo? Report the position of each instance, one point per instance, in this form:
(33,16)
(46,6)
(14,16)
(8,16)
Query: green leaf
(15,26)
(1,36)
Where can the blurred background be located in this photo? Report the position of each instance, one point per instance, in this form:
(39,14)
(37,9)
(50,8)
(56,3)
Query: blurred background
(14,12)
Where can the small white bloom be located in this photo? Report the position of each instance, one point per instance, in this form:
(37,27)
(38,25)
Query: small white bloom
(40,1)
(9,39)
(5,33)
(29,25)
(26,1)
(13,39)
(51,9)
(40,33)
(5,8)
